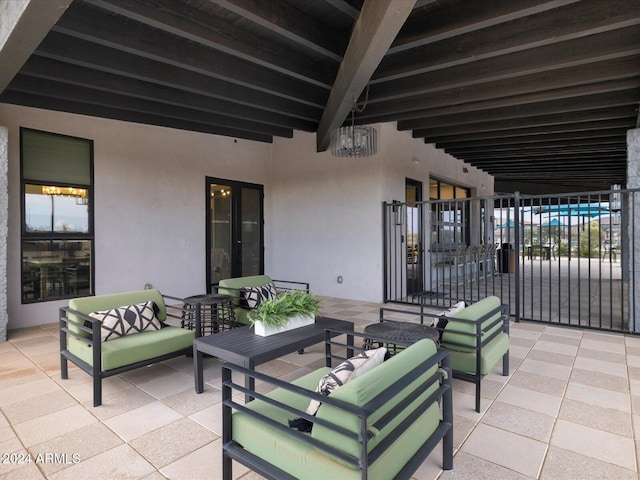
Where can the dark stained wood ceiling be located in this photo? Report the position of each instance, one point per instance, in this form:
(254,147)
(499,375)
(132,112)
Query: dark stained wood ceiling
(530,91)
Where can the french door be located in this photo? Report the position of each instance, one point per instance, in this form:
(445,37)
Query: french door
(235,230)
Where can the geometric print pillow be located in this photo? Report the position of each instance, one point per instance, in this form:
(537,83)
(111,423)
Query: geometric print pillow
(345,372)
(128,319)
(338,377)
(254,296)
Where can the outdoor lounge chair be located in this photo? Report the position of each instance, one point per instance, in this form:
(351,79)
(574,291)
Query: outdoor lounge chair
(477,338)
(381,425)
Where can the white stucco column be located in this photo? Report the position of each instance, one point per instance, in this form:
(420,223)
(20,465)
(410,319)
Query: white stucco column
(4,228)
(633,261)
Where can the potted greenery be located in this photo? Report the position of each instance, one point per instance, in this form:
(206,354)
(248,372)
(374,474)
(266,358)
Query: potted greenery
(290,310)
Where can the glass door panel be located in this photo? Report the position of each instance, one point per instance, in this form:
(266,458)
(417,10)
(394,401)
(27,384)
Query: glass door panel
(234,230)
(251,244)
(415,242)
(220,238)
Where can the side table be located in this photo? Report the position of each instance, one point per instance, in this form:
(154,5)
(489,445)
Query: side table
(216,313)
(405,332)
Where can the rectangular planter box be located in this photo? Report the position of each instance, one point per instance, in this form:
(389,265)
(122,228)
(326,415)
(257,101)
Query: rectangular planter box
(294,322)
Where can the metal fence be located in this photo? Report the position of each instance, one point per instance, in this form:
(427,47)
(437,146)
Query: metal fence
(563,259)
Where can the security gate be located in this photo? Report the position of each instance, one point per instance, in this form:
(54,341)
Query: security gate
(556,259)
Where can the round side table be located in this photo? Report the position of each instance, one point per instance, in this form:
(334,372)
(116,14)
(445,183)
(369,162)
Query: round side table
(216,313)
(389,331)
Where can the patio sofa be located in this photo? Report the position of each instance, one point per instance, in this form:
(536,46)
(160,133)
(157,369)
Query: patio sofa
(103,353)
(240,287)
(477,337)
(379,426)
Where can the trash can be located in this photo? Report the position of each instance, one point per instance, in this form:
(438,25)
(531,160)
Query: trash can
(506,259)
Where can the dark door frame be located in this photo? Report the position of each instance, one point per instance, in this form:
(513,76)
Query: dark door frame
(236,224)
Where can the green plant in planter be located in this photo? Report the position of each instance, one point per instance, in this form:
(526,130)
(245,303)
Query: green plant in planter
(276,312)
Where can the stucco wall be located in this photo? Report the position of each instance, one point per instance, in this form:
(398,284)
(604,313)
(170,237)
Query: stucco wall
(149,202)
(323,215)
(333,221)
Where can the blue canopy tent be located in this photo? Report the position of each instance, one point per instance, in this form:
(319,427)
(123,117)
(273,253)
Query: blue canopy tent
(554,222)
(577,209)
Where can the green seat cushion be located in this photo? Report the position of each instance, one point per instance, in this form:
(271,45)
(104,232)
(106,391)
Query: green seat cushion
(232,286)
(301,460)
(460,336)
(134,348)
(490,354)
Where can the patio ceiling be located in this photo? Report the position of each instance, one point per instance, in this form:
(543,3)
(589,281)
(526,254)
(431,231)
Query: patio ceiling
(530,91)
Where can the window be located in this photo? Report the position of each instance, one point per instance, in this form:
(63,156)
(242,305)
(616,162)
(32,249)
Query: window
(57,216)
(450,214)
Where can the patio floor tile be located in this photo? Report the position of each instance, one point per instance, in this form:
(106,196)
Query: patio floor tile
(598,444)
(569,409)
(137,422)
(521,454)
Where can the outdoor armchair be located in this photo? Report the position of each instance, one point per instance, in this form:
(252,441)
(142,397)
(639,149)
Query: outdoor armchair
(258,286)
(477,338)
(381,425)
(101,354)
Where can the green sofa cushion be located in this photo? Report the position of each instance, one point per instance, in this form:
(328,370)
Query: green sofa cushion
(490,354)
(463,332)
(300,460)
(232,286)
(134,348)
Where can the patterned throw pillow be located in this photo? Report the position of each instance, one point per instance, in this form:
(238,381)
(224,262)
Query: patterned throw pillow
(254,296)
(127,320)
(442,321)
(347,370)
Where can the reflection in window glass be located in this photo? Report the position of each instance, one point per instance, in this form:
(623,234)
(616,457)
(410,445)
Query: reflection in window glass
(55,269)
(56,209)
(449,217)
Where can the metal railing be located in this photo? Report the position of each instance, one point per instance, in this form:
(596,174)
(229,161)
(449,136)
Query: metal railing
(564,259)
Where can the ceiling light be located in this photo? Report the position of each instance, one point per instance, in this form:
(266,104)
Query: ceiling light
(355,140)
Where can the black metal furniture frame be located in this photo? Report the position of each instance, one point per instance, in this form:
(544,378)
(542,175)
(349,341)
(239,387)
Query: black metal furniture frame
(233,451)
(91,327)
(478,344)
(241,345)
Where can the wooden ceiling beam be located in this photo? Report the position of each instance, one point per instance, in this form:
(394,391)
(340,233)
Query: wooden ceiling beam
(117,32)
(378,24)
(509,89)
(462,17)
(513,135)
(187,22)
(104,59)
(583,103)
(46,103)
(573,53)
(293,25)
(44,68)
(569,142)
(545,121)
(573,21)
(90,96)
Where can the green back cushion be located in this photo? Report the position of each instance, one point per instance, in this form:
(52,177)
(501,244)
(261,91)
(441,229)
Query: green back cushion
(96,303)
(463,332)
(304,461)
(87,305)
(365,388)
(233,285)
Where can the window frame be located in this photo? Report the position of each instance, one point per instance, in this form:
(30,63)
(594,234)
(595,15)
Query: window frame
(53,236)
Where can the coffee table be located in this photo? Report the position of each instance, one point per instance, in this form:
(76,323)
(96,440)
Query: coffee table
(243,347)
